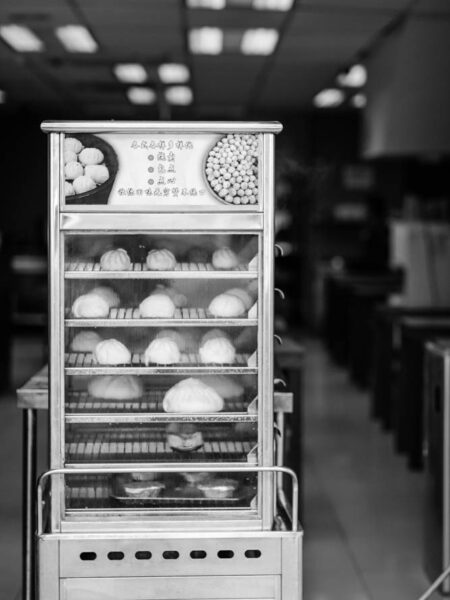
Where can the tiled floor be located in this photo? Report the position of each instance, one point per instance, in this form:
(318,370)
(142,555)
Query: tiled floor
(362,507)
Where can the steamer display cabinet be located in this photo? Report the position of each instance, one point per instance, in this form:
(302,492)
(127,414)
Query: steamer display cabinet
(163,481)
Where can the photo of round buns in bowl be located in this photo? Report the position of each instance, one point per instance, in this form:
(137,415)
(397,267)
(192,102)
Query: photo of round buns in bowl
(90,168)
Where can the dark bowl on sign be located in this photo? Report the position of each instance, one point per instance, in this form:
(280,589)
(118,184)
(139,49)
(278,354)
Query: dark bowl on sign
(100,195)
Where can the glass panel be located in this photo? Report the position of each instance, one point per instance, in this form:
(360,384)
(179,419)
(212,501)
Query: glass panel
(161,491)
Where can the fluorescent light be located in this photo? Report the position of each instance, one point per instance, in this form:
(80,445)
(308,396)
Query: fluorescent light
(173,73)
(21,38)
(354,77)
(272,4)
(211,4)
(259,41)
(76,38)
(206,40)
(130,73)
(179,94)
(141,95)
(329,98)
(358,101)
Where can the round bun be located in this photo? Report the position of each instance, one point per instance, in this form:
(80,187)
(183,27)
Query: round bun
(213,334)
(90,306)
(157,306)
(178,299)
(184,437)
(161,260)
(225,386)
(108,294)
(173,335)
(73,145)
(98,173)
(115,387)
(162,351)
(217,350)
(115,260)
(111,352)
(83,184)
(73,169)
(227,305)
(69,156)
(85,341)
(91,156)
(192,396)
(247,300)
(68,189)
(224,258)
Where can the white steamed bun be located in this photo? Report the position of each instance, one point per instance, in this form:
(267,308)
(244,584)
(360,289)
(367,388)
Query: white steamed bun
(253,264)
(161,260)
(242,295)
(224,258)
(69,156)
(91,156)
(73,169)
(212,334)
(115,387)
(162,351)
(98,173)
(173,335)
(192,396)
(108,294)
(177,297)
(226,305)
(83,184)
(111,352)
(68,189)
(85,341)
(90,306)
(217,350)
(225,386)
(157,306)
(115,260)
(73,145)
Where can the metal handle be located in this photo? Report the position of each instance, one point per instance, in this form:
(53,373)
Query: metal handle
(278,339)
(281,293)
(278,380)
(124,470)
(280,249)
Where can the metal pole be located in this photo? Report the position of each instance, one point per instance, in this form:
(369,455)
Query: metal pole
(28,515)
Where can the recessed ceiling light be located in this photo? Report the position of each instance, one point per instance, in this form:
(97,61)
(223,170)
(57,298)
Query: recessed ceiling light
(76,38)
(141,95)
(358,101)
(179,94)
(211,4)
(259,41)
(130,73)
(354,77)
(173,73)
(329,98)
(273,4)
(206,40)
(21,38)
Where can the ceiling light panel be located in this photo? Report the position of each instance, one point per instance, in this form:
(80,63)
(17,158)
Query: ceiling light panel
(329,98)
(141,95)
(173,73)
(180,95)
(354,77)
(77,39)
(260,42)
(130,73)
(21,38)
(281,5)
(206,40)
(208,4)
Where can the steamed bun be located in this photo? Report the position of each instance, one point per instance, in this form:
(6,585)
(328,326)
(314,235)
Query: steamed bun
(91,156)
(98,173)
(157,306)
(111,352)
(85,341)
(242,295)
(115,387)
(108,294)
(73,169)
(90,306)
(162,351)
(214,333)
(177,297)
(83,184)
(69,156)
(173,335)
(73,145)
(192,396)
(225,386)
(226,305)
(161,260)
(224,258)
(217,350)
(68,189)
(115,260)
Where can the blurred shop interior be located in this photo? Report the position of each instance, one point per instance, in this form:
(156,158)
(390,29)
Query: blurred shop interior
(362,185)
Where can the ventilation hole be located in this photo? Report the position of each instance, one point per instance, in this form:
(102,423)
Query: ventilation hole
(116,555)
(198,554)
(143,555)
(253,553)
(225,554)
(88,556)
(171,554)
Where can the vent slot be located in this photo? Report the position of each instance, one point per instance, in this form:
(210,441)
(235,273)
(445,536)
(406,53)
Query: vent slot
(253,553)
(143,555)
(225,554)
(198,554)
(171,555)
(116,555)
(88,556)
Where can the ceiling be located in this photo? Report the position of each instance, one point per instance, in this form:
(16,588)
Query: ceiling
(317,38)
